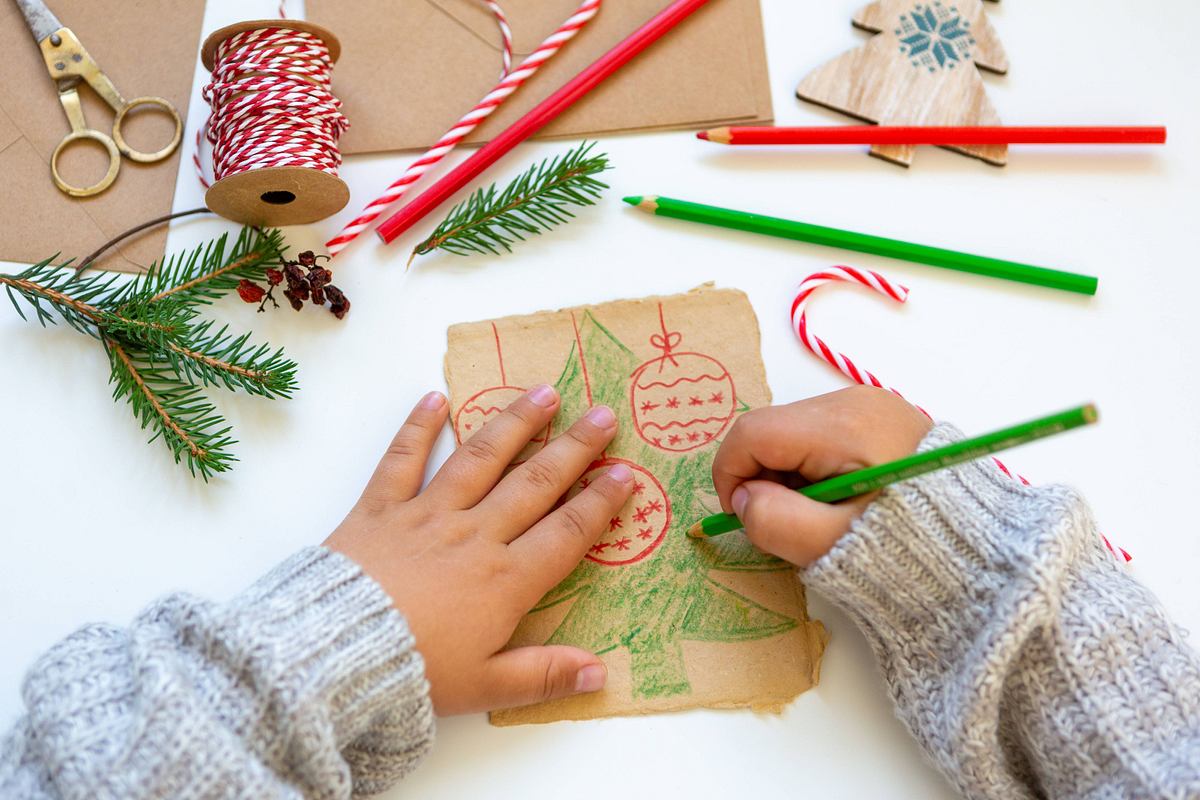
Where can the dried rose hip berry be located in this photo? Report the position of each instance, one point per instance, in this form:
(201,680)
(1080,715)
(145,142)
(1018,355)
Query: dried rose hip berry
(250,292)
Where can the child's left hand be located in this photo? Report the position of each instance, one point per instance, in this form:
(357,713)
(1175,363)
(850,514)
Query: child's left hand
(467,557)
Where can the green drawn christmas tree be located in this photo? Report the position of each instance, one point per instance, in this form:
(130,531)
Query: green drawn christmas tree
(649,607)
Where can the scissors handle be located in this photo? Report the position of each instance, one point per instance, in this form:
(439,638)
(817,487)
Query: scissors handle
(137,155)
(68,95)
(114,162)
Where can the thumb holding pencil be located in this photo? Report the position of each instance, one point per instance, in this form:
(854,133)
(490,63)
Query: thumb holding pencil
(770,452)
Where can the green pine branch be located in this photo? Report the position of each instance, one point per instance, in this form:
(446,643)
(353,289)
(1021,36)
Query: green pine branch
(176,412)
(222,359)
(156,325)
(161,356)
(491,220)
(47,288)
(211,271)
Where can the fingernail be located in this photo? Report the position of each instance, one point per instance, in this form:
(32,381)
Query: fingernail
(740,496)
(432,401)
(602,417)
(591,678)
(620,473)
(543,395)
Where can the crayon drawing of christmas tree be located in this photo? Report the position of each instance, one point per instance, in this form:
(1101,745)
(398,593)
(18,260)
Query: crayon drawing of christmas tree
(668,607)
(920,68)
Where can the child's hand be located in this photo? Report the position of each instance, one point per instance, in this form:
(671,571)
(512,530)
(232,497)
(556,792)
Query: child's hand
(466,558)
(771,451)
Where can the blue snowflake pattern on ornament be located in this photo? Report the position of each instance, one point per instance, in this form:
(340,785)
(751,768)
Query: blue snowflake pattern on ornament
(935,37)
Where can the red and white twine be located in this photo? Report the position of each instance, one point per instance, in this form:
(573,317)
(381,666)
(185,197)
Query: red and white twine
(817,346)
(463,128)
(506,44)
(271,105)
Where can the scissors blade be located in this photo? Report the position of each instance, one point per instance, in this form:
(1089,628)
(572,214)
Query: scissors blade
(40,19)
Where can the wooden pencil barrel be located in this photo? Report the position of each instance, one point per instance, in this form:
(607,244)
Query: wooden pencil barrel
(275,196)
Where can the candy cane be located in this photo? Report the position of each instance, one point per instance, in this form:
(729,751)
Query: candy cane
(817,346)
(841,362)
(463,128)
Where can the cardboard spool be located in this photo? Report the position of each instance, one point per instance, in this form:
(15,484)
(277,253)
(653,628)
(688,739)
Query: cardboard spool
(277,195)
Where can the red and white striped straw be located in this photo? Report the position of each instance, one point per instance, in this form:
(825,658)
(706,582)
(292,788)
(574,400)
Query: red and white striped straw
(817,346)
(463,128)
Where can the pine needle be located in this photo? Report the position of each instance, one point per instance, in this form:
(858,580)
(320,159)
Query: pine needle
(492,221)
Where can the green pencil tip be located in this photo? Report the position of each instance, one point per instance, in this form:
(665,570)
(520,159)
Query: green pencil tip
(633,200)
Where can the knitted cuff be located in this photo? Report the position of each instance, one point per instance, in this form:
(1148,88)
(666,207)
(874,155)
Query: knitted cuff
(329,633)
(931,555)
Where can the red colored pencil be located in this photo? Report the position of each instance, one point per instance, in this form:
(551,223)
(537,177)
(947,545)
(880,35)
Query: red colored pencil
(940,135)
(539,117)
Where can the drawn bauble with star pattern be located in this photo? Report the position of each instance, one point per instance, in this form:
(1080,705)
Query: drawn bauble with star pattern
(639,527)
(682,401)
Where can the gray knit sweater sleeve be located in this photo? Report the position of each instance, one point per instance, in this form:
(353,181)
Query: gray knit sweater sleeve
(305,685)
(1023,658)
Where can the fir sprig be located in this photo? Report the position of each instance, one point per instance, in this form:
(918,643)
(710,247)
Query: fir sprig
(177,412)
(213,270)
(161,357)
(222,359)
(540,198)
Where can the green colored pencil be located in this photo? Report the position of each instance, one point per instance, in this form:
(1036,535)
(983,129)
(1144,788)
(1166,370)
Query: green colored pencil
(864,243)
(853,484)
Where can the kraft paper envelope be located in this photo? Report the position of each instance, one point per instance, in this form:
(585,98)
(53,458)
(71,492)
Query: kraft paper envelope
(410,70)
(146,48)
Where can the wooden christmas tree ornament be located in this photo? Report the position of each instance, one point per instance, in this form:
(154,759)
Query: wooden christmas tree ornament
(279,195)
(921,68)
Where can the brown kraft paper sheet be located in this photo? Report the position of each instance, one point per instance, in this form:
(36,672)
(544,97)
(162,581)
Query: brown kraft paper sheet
(410,70)
(680,623)
(146,48)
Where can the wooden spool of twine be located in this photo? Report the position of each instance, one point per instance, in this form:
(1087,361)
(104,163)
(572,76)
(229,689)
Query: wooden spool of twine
(275,123)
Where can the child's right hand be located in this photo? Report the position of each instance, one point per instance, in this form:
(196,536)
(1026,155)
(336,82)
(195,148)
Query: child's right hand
(771,451)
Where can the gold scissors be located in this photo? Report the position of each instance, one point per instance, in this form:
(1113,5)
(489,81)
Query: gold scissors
(69,65)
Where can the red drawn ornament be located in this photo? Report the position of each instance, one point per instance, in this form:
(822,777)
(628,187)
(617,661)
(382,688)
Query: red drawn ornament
(482,406)
(641,524)
(681,401)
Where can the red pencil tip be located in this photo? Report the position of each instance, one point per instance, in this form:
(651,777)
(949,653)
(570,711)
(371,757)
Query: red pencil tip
(702,135)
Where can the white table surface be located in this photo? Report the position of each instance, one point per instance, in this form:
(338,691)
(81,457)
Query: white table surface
(96,523)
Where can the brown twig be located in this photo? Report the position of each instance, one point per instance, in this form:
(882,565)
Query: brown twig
(87,262)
